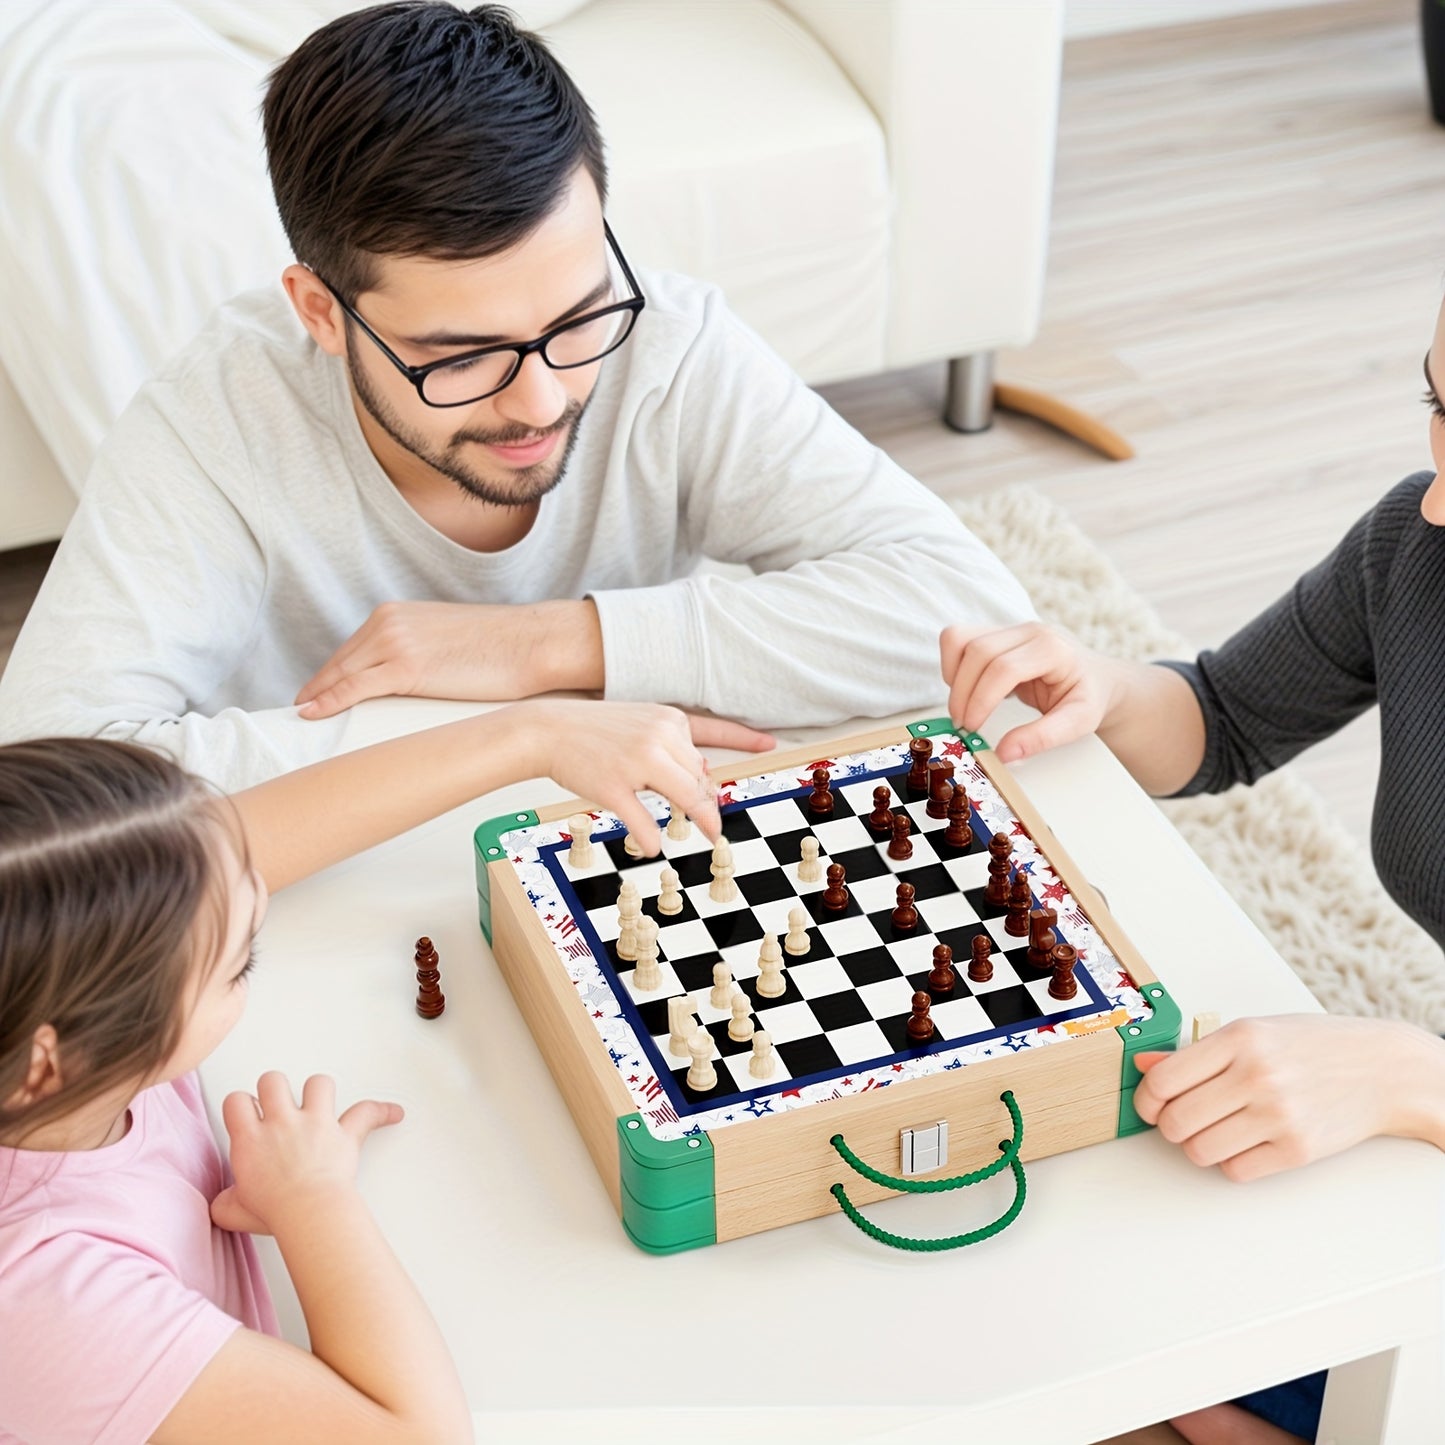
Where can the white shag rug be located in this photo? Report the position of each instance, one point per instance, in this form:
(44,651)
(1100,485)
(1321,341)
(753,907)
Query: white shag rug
(1274,846)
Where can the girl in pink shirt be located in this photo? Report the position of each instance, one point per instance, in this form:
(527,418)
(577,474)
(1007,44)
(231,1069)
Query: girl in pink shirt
(132,1308)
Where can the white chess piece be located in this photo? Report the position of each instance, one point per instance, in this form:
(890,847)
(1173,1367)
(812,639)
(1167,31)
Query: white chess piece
(678,827)
(798,940)
(771,983)
(581,853)
(681,1025)
(722,889)
(762,1064)
(722,986)
(647,975)
(669,900)
(701,1076)
(810,870)
(740,1027)
(632,847)
(629,910)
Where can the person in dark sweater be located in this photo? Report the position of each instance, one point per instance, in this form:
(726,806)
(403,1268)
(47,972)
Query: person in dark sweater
(1364,628)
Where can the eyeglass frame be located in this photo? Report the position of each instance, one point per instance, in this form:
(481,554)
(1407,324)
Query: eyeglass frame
(417,375)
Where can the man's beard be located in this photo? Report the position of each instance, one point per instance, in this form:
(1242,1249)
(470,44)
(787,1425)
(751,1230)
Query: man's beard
(524,485)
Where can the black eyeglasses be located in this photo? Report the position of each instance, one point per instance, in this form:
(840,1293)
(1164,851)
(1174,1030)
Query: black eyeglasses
(474,375)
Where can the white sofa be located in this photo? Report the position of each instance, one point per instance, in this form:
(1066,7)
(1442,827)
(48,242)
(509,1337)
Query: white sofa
(867,179)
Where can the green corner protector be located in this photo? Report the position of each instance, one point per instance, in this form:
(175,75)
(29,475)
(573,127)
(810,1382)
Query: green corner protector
(487,844)
(1159,1031)
(668,1198)
(930,727)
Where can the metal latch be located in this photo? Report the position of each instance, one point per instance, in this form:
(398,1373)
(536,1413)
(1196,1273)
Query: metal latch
(924,1149)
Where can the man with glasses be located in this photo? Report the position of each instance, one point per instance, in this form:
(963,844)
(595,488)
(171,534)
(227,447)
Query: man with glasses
(293,518)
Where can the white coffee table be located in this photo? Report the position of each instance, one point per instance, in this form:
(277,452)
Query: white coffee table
(1133,1286)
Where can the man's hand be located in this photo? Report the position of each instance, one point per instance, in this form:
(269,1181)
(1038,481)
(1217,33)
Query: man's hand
(1266,1094)
(473,652)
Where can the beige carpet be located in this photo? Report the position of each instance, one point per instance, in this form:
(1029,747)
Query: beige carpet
(1275,847)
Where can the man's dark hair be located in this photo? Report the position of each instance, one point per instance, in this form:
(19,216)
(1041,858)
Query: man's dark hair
(418,129)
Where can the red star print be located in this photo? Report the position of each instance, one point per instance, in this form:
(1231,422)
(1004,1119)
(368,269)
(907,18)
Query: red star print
(791,1094)
(597,1013)
(1053,893)
(953,749)
(897,1068)
(724,798)
(1019,831)
(847,1082)
(1045,1028)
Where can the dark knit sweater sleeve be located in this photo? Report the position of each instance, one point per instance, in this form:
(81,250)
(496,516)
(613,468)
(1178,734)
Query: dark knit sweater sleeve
(1305,666)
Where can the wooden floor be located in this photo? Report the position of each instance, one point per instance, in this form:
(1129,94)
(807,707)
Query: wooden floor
(1247,252)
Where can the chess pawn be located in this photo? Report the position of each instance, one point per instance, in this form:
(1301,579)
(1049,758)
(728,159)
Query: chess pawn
(679,829)
(430,1000)
(647,975)
(820,801)
(959,833)
(669,899)
(581,854)
(943,979)
(905,915)
(681,1025)
(797,941)
(722,889)
(762,1065)
(1041,936)
(722,986)
(771,983)
(999,868)
(1020,902)
(881,818)
(900,847)
(919,752)
(810,870)
(920,1023)
(980,966)
(740,1026)
(701,1076)
(1063,984)
(835,895)
(632,847)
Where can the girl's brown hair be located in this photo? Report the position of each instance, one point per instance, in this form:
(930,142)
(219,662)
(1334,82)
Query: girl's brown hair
(109,855)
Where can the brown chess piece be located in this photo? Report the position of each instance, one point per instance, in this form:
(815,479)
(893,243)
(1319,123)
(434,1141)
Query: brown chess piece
(999,855)
(430,1000)
(881,818)
(905,915)
(943,979)
(1020,901)
(1063,984)
(835,895)
(919,752)
(900,846)
(980,966)
(820,801)
(920,1025)
(1041,936)
(958,834)
(940,787)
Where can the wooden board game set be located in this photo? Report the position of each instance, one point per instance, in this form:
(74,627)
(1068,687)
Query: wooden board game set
(863,1041)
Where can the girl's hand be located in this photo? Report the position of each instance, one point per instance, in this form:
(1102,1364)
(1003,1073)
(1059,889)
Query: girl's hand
(283,1156)
(608,752)
(1265,1094)
(1041,666)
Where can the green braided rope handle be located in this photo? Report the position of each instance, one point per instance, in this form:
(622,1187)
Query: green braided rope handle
(1008,1158)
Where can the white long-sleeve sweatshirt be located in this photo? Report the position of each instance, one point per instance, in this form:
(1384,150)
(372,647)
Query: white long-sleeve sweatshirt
(236,529)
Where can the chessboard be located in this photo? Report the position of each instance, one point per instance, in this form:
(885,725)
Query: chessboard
(989,886)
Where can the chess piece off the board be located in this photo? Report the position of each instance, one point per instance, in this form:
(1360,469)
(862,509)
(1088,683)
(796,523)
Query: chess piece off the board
(430,1000)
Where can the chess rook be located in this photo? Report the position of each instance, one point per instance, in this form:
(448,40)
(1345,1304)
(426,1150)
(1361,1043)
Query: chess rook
(1063,984)
(919,752)
(430,1000)
(582,853)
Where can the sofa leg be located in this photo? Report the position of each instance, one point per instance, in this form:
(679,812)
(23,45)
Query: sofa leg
(968,406)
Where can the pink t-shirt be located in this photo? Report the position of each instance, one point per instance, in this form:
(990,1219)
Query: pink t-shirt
(115,1287)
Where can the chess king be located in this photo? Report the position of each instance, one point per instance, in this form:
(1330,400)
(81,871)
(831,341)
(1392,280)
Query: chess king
(471,447)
